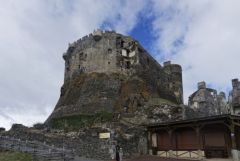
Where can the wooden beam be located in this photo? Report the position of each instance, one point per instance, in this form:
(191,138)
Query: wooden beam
(236,123)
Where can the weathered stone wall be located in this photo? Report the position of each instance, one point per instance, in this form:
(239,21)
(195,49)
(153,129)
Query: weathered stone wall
(86,142)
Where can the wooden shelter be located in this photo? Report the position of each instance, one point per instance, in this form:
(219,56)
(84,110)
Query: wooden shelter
(209,137)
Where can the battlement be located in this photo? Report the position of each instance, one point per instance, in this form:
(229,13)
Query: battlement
(96,36)
(91,35)
(173,68)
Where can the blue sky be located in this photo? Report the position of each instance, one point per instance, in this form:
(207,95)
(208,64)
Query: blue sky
(202,36)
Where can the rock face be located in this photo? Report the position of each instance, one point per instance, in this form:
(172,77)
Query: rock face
(113,73)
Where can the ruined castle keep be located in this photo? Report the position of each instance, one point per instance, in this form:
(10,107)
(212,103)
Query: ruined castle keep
(207,102)
(110,72)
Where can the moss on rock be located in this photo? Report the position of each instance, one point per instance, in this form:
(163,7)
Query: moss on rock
(75,122)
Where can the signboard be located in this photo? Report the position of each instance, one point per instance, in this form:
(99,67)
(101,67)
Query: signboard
(104,135)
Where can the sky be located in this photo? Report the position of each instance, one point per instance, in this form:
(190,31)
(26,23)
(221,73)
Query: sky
(202,36)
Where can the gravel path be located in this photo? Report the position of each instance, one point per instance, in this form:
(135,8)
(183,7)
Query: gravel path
(155,158)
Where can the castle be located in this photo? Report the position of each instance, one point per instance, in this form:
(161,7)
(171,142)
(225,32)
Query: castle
(207,102)
(115,94)
(127,63)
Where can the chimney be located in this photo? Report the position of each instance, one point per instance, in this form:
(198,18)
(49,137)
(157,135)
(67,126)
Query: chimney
(201,85)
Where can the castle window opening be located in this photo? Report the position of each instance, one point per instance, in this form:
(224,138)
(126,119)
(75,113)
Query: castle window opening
(128,64)
(127,53)
(122,42)
(109,62)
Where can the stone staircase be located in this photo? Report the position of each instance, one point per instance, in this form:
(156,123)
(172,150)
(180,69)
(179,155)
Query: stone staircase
(39,151)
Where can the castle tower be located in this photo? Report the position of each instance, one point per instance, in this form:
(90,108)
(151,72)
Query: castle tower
(175,79)
(222,103)
(235,97)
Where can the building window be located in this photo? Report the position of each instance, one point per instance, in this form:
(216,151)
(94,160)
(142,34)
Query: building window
(109,51)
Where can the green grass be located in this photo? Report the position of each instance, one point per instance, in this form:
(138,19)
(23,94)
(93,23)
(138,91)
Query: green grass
(75,122)
(14,156)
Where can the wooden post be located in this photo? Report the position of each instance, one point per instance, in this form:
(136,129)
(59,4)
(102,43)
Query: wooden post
(150,142)
(197,129)
(233,137)
(198,135)
(170,131)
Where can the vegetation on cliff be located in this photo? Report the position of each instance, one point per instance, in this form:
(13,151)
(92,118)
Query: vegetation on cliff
(75,122)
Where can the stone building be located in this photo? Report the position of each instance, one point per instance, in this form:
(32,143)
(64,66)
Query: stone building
(110,72)
(234,97)
(206,102)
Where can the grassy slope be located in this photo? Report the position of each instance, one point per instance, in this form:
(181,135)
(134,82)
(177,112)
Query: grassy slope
(14,156)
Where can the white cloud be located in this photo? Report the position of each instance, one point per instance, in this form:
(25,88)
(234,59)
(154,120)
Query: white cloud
(33,36)
(209,34)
